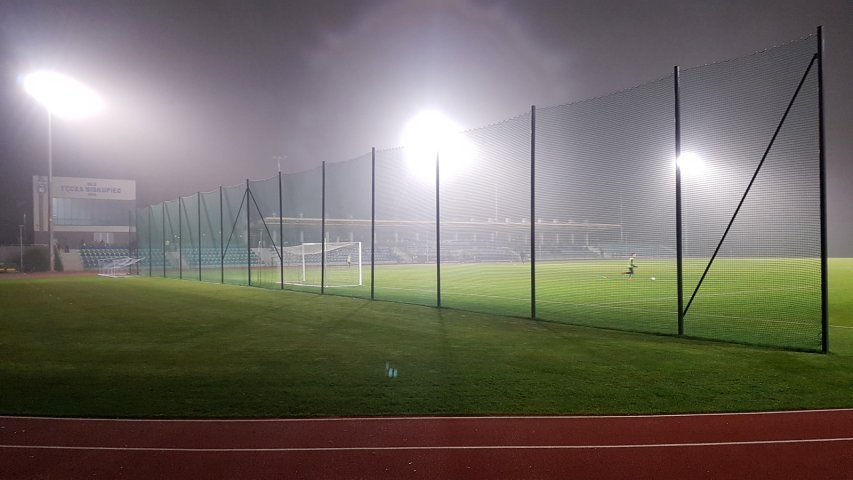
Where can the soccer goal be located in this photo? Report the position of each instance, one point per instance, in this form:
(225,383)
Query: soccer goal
(116,266)
(343,264)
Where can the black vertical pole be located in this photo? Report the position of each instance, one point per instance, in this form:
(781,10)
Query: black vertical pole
(150,227)
(824,307)
(198,234)
(164,237)
(133,221)
(323,229)
(221,245)
(532,212)
(180,239)
(280,234)
(248,235)
(372,219)
(437,233)
(678,247)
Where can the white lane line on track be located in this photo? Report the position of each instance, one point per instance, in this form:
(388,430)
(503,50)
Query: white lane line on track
(503,417)
(442,447)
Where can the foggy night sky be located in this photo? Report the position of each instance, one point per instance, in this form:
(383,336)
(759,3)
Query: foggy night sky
(203,93)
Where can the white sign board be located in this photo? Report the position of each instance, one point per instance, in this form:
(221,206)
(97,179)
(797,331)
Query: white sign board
(94,188)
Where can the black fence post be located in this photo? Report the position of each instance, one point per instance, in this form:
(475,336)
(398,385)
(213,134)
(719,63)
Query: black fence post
(180,239)
(221,246)
(163,205)
(280,234)
(133,246)
(678,235)
(532,212)
(437,232)
(824,307)
(150,254)
(372,220)
(323,229)
(198,233)
(248,235)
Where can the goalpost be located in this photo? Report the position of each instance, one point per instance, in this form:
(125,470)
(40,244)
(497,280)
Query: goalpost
(343,264)
(116,267)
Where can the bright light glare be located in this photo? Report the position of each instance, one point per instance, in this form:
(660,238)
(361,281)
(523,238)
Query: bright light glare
(429,133)
(691,165)
(62,95)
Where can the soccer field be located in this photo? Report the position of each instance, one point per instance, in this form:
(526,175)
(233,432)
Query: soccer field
(95,346)
(773,302)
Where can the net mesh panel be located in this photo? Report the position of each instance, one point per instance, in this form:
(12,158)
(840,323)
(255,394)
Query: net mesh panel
(302,193)
(485,219)
(764,286)
(158,240)
(189,237)
(234,231)
(605,188)
(264,206)
(210,236)
(348,208)
(143,241)
(405,227)
(173,253)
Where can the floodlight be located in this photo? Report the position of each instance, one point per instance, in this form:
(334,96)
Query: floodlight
(431,133)
(691,165)
(61,95)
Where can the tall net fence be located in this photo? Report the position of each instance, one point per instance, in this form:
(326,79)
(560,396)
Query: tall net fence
(764,285)
(264,206)
(605,190)
(172,233)
(143,241)
(567,214)
(348,226)
(210,236)
(189,239)
(485,220)
(405,246)
(303,212)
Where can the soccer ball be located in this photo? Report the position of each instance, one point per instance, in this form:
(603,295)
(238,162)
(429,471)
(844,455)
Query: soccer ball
(653,279)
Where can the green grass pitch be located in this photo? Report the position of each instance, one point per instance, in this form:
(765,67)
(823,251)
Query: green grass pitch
(153,347)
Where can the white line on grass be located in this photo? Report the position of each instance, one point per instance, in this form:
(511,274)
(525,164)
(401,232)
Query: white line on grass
(437,447)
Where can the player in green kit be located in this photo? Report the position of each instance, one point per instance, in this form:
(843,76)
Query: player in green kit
(631,266)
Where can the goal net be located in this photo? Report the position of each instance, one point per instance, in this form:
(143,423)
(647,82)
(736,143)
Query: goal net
(343,264)
(117,266)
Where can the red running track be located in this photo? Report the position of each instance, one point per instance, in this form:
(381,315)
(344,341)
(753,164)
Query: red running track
(808,444)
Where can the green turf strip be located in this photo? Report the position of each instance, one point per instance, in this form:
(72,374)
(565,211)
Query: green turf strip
(143,347)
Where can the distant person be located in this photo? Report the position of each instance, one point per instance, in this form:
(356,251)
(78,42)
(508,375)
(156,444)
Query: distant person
(349,260)
(631,266)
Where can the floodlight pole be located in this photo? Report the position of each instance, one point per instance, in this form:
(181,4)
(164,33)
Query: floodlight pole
(824,307)
(678,246)
(437,233)
(322,229)
(372,219)
(532,212)
(49,189)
